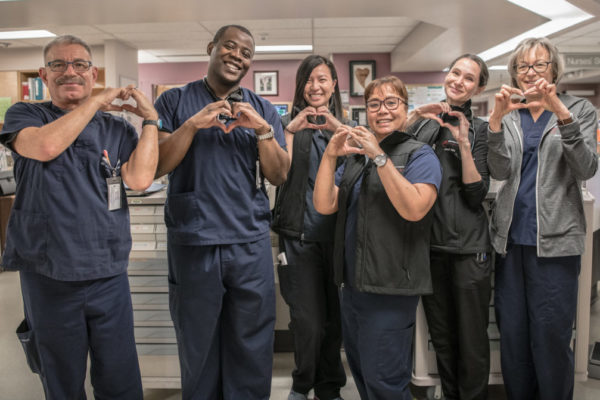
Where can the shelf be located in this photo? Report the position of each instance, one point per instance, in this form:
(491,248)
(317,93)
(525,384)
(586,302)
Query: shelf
(24,76)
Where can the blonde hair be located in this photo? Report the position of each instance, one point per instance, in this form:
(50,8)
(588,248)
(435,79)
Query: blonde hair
(556,61)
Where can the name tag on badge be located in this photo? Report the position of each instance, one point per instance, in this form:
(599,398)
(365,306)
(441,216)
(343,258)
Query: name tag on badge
(114,192)
(258,180)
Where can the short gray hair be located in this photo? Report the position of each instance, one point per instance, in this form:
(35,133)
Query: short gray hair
(66,40)
(558,65)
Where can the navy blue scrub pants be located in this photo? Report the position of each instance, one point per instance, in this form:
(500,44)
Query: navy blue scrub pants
(378,335)
(536,300)
(308,288)
(68,319)
(458,315)
(222,302)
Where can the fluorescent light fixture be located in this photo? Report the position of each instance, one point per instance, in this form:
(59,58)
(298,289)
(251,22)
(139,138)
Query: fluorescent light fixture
(498,68)
(561,14)
(10,35)
(551,9)
(145,57)
(283,49)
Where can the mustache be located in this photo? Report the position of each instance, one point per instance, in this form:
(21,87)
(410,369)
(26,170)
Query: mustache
(69,79)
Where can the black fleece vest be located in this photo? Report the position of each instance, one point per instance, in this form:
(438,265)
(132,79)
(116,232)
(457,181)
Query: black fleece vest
(392,254)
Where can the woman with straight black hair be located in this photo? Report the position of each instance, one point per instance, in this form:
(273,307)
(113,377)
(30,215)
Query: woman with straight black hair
(306,237)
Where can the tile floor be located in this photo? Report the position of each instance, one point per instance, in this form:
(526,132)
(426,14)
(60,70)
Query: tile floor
(17,383)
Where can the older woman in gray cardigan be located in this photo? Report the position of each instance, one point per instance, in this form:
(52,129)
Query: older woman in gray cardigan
(541,149)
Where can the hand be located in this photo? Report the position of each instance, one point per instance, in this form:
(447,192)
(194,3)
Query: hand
(460,132)
(341,143)
(505,103)
(108,95)
(331,123)
(432,111)
(301,120)
(143,107)
(543,94)
(208,116)
(247,117)
(366,140)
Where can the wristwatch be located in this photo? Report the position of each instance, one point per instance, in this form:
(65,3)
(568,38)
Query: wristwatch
(565,121)
(380,160)
(269,135)
(155,122)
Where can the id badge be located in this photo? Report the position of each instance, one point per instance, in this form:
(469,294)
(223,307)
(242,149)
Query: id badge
(114,192)
(258,180)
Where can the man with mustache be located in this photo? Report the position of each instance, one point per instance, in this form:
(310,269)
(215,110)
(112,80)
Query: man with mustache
(219,143)
(68,233)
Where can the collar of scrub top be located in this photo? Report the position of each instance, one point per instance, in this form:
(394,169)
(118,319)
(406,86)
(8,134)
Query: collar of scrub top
(233,97)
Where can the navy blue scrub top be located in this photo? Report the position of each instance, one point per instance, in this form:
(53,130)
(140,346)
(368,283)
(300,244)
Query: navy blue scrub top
(60,225)
(423,167)
(523,229)
(212,196)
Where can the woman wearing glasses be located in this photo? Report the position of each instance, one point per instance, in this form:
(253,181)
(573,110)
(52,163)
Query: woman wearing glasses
(383,194)
(541,148)
(306,237)
(458,310)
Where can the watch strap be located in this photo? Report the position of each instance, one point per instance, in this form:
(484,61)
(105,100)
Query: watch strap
(155,122)
(265,136)
(565,121)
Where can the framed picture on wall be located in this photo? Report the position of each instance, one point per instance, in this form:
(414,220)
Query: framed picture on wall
(361,74)
(266,83)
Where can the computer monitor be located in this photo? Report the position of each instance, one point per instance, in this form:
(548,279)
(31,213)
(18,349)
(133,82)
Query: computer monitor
(282,108)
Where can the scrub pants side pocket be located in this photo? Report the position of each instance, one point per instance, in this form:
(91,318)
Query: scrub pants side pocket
(27,339)
(394,348)
(174,302)
(286,283)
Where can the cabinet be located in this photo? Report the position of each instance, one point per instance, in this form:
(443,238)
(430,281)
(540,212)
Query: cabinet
(154,332)
(425,369)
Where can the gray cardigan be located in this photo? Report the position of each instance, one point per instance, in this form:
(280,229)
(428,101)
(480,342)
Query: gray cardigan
(566,156)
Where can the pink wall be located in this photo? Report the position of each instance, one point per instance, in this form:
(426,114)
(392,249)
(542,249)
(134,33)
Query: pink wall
(342,65)
(382,68)
(176,73)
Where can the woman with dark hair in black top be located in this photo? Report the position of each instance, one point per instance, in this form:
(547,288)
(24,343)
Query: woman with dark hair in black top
(306,237)
(458,310)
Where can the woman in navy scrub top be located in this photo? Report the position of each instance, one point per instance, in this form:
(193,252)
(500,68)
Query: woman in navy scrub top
(541,148)
(383,194)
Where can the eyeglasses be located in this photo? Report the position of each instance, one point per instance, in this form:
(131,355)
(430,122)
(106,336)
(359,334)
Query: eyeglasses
(538,66)
(61,65)
(391,103)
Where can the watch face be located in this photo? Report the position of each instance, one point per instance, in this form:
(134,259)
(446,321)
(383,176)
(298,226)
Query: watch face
(380,160)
